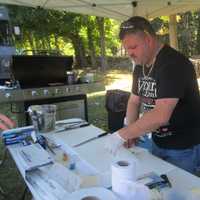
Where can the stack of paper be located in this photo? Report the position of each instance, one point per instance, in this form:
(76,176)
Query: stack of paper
(34,156)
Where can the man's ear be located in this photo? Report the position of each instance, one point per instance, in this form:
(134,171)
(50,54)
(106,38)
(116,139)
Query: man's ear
(148,39)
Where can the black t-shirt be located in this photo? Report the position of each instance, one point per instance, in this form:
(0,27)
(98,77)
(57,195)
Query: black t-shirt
(172,76)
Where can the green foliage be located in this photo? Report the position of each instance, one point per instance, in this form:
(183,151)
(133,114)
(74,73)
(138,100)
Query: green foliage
(112,41)
(161,27)
(79,34)
(49,29)
(188,31)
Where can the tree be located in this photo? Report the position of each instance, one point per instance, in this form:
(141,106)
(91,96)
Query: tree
(90,23)
(198,34)
(100,22)
(71,29)
(54,30)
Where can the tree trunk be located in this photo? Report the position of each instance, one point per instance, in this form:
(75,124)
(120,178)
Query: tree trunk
(48,41)
(43,41)
(56,41)
(79,50)
(100,22)
(31,40)
(91,46)
(37,42)
(198,35)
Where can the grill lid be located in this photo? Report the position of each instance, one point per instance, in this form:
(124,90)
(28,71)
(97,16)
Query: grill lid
(34,71)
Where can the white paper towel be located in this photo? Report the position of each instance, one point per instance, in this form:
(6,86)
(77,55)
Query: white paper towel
(122,170)
(124,175)
(94,193)
(130,190)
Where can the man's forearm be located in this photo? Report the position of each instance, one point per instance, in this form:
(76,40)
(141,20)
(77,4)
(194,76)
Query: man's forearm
(132,112)
(148,122)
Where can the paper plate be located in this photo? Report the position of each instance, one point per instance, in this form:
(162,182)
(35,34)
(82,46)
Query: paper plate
(94,193)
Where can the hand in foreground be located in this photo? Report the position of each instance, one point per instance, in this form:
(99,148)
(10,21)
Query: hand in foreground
(114,142)
(6,123)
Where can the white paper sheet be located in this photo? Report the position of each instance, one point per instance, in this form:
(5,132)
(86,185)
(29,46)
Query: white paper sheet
(76,136)
(95,154)
(33,156)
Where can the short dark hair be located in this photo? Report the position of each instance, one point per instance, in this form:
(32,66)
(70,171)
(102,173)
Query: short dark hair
(136,24)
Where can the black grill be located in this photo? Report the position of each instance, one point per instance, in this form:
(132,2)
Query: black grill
(40,71)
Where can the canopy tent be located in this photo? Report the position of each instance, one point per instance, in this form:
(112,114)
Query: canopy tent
(118,9)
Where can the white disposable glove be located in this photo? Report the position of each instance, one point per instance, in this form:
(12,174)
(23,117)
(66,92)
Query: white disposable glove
(114,142)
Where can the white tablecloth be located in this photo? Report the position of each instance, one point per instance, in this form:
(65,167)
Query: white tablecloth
(96,160)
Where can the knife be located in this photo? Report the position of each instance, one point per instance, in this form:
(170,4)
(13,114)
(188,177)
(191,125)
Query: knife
(72,127)
(68,123)
(91,139)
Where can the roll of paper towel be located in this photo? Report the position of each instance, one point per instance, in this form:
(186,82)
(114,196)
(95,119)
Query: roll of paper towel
(94,193)
(130,190)
(124,175)
(122,170)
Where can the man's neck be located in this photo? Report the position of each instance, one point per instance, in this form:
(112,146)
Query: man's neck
(156,48)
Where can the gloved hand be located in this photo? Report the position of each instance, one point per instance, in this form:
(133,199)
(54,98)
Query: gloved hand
(130,143)
(114,142)
(125,121)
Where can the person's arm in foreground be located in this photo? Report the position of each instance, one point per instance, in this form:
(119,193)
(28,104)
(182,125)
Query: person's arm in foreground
(6,123)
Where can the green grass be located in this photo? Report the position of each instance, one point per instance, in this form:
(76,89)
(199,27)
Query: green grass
(97,113)
(10,179)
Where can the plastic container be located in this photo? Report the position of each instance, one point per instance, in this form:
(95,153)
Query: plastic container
(43,117)
(71,78)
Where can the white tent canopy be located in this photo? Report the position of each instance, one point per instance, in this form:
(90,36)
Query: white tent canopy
(117,9)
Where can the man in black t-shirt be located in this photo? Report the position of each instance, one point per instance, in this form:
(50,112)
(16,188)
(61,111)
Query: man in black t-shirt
(165,84)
